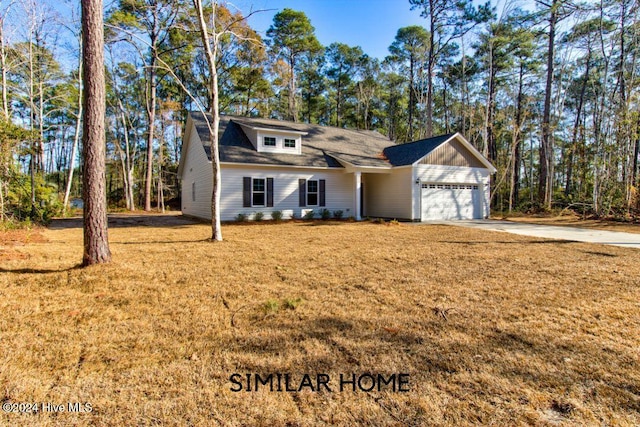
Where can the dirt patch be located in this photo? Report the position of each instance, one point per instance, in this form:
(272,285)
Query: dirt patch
(490,327)
(12,240)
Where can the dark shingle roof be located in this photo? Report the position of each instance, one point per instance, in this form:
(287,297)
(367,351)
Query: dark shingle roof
(359,147)
(407,154)
(322,146)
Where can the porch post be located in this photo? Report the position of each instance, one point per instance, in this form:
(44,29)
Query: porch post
(358,185)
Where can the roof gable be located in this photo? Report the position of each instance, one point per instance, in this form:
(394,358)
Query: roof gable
(452,153)
(446,150)
(411,152)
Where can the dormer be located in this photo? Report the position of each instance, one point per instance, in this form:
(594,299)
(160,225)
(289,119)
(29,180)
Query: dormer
(279,139)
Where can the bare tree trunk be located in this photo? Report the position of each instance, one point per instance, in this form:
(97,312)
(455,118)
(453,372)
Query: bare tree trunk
(76,137)
(211,54)
(151,117)
(431,59)
(293,110)
(160,205)
(636,151)
(574,136)
(2,216)
(514,191)
(545,181)
(96,243)
(3,64)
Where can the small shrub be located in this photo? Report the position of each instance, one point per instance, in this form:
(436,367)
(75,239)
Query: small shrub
(241,217)
(325,214)
(276,216)
(271,306)
(293,215)
(291,303)
(377,221)
(309,215)
(258,216)
(337,214)
(394,222)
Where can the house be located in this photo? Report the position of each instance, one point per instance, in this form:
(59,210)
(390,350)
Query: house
(269,165)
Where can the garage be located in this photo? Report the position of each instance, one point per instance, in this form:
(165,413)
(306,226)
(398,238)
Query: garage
(445,201)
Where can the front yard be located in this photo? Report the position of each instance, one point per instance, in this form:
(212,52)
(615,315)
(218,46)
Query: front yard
(490,327)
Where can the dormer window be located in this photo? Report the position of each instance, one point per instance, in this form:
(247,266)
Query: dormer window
(277,139)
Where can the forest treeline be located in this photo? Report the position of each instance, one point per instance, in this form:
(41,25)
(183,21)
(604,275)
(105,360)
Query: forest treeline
(549,95)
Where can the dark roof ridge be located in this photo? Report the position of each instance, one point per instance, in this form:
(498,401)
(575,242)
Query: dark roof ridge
(289,122)
(444,136)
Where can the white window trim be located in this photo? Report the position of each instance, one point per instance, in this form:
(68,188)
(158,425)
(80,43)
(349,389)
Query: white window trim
(317,192)
(264,192)
(284,143)
(275,141)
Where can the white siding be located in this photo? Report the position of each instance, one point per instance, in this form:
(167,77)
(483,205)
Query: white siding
(450,174)
(388,195)
(197,168)
(338,191)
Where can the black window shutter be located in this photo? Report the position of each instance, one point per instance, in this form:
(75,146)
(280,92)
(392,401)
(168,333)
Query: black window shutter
(302,190)
(246,191)
(269,192)
(321,184)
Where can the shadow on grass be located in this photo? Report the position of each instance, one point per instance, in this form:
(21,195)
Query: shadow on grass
(39,270)
(155,242)
(126,220)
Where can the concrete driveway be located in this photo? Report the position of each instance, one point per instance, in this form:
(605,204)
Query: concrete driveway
(615,238)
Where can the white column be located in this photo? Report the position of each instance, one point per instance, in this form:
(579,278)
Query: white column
(358,185)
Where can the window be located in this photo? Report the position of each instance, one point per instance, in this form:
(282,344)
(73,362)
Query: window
(269,141)
(193,191)
(289,143)
(258,192)
(312,193)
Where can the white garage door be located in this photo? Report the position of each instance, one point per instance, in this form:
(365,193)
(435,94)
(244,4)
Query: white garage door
(451,201)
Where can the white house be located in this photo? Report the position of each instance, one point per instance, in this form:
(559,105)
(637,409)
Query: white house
(270,165)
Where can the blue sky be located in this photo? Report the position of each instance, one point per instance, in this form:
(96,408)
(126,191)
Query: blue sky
(370,24)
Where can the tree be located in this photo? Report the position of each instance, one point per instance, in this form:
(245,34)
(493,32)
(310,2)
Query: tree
(211,38)
(343,59)
(292,35)
(155,19)
(447,21)
(313,87)
(96,242)
(411,46)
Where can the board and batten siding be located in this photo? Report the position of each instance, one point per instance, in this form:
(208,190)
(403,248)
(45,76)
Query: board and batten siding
(450,175)
(453,153)
(388,195)
(198,171)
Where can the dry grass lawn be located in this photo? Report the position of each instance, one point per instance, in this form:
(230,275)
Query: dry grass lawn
(492,328)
